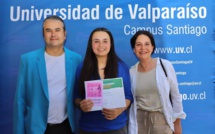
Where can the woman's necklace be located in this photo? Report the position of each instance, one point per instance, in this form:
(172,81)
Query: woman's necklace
(145,66)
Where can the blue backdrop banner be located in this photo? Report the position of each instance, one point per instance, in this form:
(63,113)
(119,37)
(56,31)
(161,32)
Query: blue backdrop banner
(184,32)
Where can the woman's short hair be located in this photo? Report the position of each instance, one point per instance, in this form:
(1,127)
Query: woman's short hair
(142,32)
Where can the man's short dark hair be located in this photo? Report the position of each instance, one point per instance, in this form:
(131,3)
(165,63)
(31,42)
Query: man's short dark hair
(54,17)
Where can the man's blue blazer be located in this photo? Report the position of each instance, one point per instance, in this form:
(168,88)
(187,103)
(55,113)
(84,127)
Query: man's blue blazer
(32,98)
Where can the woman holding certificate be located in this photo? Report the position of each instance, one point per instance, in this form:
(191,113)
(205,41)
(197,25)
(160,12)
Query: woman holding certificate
(157,107)
(101,63)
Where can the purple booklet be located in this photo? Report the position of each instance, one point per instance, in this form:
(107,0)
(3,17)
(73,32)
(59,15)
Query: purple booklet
(94,91)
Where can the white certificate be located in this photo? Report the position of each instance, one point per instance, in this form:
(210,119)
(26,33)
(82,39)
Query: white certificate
(113,93)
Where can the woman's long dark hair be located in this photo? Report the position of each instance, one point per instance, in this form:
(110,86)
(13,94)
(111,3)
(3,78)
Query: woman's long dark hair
(90,65)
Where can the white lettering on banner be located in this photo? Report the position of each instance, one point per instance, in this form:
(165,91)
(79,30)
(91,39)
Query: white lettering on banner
(182,62)
(132,30)
(111,13)
(186,29)
(135,12)
(193,83)
(155,13)
(170,30)
(194,96)
(174,50)
(77,13)
(180,73)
